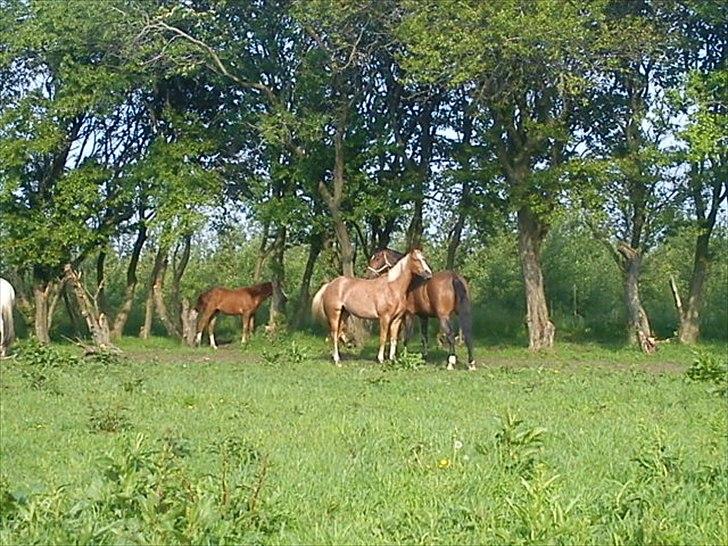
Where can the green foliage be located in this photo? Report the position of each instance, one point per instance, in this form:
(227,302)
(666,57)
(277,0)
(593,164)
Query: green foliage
(407,360)
(710,368)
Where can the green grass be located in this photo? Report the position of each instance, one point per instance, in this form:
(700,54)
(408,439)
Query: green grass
(273,444)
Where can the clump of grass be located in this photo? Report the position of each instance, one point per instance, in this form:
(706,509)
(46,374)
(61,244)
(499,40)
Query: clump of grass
(39,363)
(408,361)
(294,353)
(109,418)
(710,369)
(520,447)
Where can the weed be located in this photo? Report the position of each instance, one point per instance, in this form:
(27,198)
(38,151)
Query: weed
(655,459)
(408,361)
(38,363)
(110,418)
(710,369)
(520,447)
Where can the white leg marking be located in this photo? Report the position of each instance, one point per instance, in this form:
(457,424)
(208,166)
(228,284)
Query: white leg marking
(451,361)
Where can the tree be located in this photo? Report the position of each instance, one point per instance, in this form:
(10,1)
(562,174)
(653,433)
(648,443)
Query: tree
(704,149)
(529,63)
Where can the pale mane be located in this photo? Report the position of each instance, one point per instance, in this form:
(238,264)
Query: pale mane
(394,273)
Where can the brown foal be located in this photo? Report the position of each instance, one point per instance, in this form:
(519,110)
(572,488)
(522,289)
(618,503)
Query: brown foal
(383,298)
(239,301)
(441,296)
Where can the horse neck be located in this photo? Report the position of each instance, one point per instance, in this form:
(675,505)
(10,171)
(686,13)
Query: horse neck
(259,292)
(400,276)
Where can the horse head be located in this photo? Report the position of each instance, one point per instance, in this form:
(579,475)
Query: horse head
(382,261)
(418,265)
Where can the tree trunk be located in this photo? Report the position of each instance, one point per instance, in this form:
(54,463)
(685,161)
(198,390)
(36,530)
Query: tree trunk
(457,231)
(158,293)
(638,325)
(262,253)
(159,260)
(146,329)
(531,233)
(101,279)
(416,227)
(334,199)
(304,294)
(278,300)
(42,326)
(188,317)
(95,318)
(689,329)
(179,268)
(131,283)
(70,311)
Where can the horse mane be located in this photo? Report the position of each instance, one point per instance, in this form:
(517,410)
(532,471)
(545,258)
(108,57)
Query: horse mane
(258,289)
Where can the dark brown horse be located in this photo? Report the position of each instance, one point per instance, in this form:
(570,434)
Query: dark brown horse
(239,301)
(383,298)
(441,296)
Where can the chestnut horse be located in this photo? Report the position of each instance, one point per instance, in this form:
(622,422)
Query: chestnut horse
(441,296)
(383,298)
(238,301)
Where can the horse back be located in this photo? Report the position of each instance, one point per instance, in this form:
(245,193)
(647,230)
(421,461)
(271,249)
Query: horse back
(433,297)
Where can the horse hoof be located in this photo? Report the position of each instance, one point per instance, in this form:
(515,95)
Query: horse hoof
(471,366)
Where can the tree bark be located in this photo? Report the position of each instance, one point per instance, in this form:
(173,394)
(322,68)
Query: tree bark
(70,311)
(96,321)
(42,326)
(304,294)
(639,331)
(416,227)
(160,305)
(179,267)
(334,200)
(131,283)
(159,260)
(45,298)
(278,300)
(689,328)
(262,253)
(457,231)
(101,279)
(531,233)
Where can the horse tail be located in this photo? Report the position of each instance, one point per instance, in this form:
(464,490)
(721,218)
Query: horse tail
(202,302)
(317,305)
(465,313)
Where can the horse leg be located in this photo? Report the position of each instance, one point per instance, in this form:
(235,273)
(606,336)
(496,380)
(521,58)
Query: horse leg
(334,328)
(211,331)
(203,320)
(423,332)
(245,319)
(445,327)
(393,333)
(384,324)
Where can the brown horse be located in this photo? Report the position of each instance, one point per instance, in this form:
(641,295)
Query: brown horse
(239,301)
(441,296)
(383,298)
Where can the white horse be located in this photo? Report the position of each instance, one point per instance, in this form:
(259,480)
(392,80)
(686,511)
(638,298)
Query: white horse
(7,329)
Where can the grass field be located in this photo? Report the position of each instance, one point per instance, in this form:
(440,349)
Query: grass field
(273,444)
